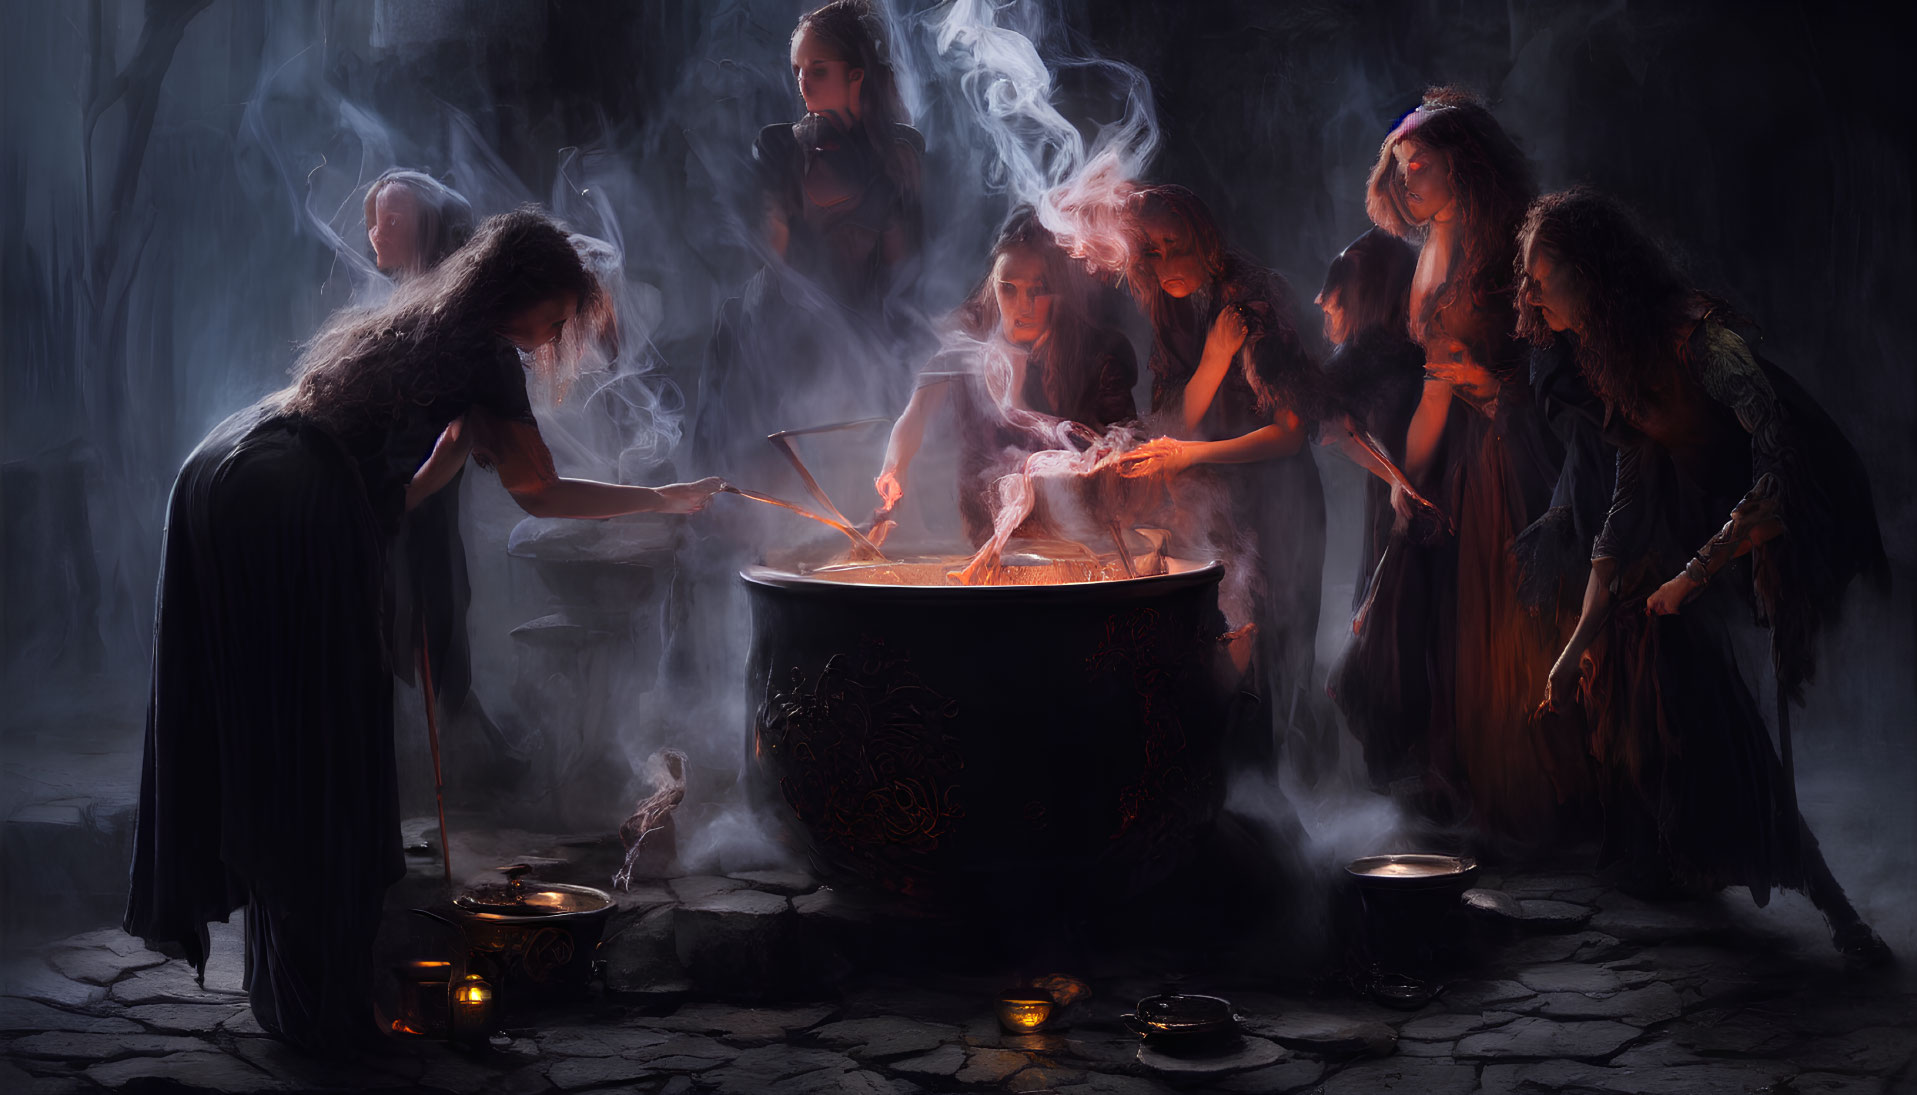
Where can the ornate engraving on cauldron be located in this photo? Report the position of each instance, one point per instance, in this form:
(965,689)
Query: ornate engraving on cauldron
(959,747)
(1168,787)
(869,764)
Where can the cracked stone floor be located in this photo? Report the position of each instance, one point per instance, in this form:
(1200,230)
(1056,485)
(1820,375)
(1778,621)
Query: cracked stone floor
(1582,989)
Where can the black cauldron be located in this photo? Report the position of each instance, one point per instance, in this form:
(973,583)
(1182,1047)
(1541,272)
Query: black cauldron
(963,745)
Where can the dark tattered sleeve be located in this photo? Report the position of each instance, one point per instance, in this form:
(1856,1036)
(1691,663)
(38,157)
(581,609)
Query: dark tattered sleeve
(1622,536)
(1728,372)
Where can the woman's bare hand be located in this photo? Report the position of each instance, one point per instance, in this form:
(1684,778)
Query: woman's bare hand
(1402,509)
(1562,685)
(1670,596)
(1159,456)
(1227,333)
(688,497)
(1470,379)
(891,487)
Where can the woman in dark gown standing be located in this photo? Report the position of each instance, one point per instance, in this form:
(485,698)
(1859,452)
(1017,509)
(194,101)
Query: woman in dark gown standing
(823,330)
(1232,385)
(1449,176)
(1734,490)
(269,780)
(1376,375)
(1028,368)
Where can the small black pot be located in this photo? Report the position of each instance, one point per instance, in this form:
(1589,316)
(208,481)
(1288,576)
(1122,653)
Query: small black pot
(542,948)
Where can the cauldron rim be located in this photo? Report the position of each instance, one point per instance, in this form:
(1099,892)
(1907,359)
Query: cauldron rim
(1110,589)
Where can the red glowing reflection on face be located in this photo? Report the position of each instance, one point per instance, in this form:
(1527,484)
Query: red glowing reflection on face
(1425,174)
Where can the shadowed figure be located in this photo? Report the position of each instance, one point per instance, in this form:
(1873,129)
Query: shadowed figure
(268,779)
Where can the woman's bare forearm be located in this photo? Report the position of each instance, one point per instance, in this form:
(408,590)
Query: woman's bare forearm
(1427,428)
(1202,388)
(1595,610)
(1264,443)
(908,433)
(588,498)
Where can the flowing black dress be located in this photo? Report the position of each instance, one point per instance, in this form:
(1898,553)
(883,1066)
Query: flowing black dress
(1693,789)
(1381,682)
(1266,520)
(268,779)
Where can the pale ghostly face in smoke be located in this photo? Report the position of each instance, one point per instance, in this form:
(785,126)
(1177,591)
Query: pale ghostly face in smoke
(1172,256)
(540,324)
(1025,296)
(1425,173)
(828,83)
(1549,287)
(1337,325)
(394,232)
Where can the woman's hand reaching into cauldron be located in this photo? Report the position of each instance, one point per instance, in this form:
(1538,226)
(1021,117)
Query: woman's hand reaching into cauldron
(1159,456)
(891,487)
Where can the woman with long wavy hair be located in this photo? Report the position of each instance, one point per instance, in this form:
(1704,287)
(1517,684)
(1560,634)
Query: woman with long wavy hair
(1734,491)
(269,780)
(1028,364)
(1451,179)
(1237,395)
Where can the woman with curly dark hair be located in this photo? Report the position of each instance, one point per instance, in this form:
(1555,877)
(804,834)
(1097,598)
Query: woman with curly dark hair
(1237,395)
(269,777)
(1734,490)
(1449,177)
(1028,368)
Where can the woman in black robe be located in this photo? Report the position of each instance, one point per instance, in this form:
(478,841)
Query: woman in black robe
(822,331)
(1235,391)
(1734,490)
(268,778)
(1027,369)
(1376,375)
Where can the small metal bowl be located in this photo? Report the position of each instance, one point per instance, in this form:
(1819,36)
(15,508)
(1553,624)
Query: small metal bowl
(1181,1016)
(1400,992)
(1406,873)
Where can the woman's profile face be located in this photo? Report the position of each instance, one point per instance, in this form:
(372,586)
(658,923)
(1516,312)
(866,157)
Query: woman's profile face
(394,232)
(1171,255)
(1025,296)
(540,324)
(1425,173)
(1337,327)
(828,83)
(1549,287)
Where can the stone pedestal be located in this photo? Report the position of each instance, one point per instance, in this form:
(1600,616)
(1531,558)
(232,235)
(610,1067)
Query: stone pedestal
(582,672)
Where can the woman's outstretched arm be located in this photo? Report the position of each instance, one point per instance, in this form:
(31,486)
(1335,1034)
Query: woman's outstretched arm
(526,470)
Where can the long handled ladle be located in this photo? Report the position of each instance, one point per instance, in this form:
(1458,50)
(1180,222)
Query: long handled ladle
(860,541)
